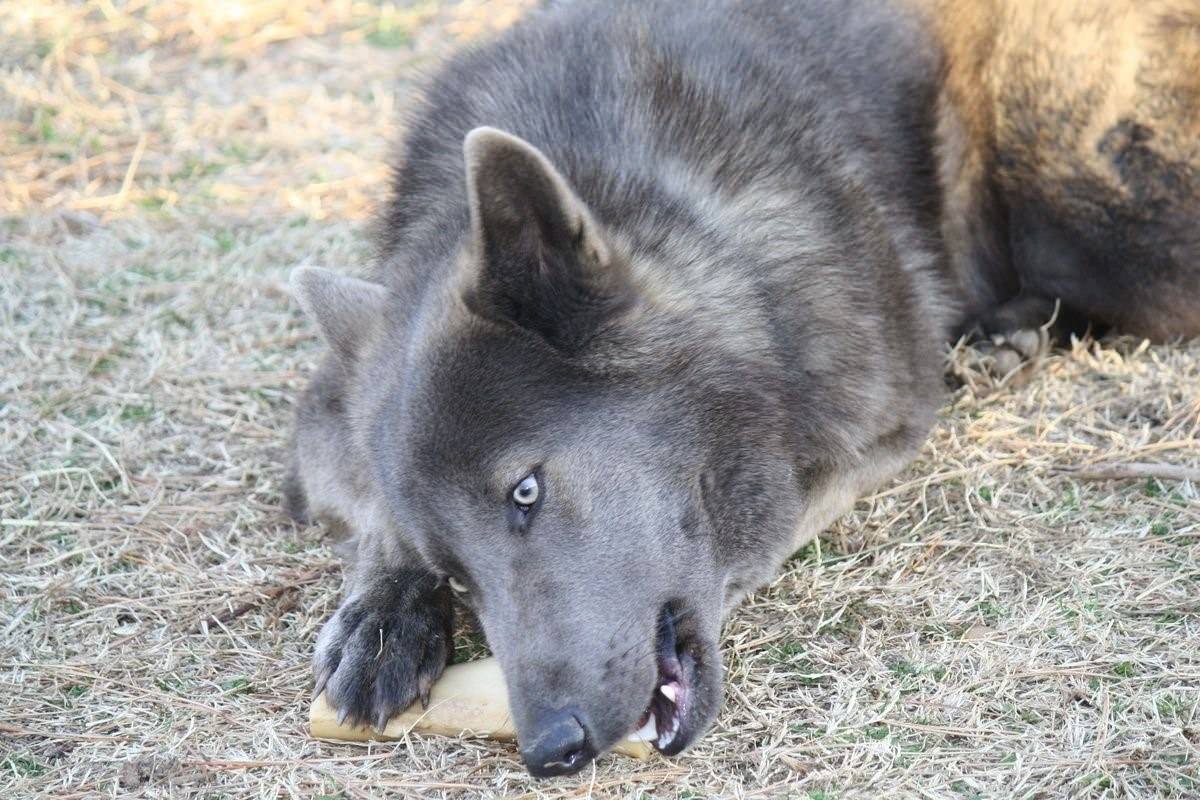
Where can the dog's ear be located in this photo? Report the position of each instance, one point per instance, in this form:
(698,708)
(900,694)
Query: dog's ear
(345,309)
(542,262)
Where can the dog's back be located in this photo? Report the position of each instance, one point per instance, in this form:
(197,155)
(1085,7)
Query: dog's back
(776,154)
(649,106)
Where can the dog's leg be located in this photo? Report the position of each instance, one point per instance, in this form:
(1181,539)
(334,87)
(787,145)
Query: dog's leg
(391,637)
(388,642)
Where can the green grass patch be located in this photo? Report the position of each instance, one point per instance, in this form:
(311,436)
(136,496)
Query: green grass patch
(1029,716)
(137,413)
(990,610)
(805,729)
(226,241)
(235,686)
(788,651)
(963,788)
(240,152)
(172,684)
(1124,669)
(469,645)
(1097,782)
(22,766)
(194,167)
(876,732)
(389,34)
(1172,707)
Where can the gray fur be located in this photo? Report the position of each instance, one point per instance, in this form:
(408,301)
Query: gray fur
(346,310)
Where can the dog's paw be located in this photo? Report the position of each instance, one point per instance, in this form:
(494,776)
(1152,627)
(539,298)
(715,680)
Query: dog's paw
(384,648)
(1016,333)
(1013,349)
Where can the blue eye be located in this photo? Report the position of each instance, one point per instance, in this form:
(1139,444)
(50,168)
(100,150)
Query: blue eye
(526,493)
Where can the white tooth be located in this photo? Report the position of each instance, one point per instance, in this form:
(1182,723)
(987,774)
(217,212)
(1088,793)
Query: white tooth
(668,691)
(646,733)
(670,735)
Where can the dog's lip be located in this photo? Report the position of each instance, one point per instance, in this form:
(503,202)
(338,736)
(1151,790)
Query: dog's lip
(666,721)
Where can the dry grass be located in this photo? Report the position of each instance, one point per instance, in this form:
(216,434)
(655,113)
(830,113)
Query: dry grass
(987,626)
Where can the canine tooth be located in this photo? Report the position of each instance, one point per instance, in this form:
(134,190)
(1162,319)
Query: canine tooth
(646,733)
(668,691)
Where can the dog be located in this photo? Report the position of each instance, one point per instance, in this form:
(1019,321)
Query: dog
(662,288)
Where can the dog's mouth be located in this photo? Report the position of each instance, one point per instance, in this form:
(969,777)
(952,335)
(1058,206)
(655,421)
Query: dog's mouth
(666,722)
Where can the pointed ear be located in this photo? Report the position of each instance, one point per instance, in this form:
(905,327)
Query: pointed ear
(542,261)
(344,308)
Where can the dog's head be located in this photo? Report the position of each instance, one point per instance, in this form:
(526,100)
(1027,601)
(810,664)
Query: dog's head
(564,444)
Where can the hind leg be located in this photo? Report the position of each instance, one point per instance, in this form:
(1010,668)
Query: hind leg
(1128,269)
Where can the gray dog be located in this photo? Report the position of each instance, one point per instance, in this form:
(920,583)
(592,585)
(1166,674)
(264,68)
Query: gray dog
(662,288)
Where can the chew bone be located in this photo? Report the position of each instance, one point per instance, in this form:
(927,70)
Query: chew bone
(469,699)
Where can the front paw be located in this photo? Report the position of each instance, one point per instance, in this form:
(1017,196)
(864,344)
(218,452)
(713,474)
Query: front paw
(384,648)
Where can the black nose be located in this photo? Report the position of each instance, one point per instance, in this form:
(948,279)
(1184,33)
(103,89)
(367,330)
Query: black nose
(558,744)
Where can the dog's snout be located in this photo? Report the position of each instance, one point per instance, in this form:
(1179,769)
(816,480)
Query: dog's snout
(559,744)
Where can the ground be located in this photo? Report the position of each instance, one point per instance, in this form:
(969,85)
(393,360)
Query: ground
(991,624)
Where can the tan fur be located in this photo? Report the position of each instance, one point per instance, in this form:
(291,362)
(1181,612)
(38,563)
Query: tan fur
(1077,67)
(1036,94)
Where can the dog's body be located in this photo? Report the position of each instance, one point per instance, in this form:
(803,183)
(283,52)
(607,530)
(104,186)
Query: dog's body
(1070,150)
(632,350)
